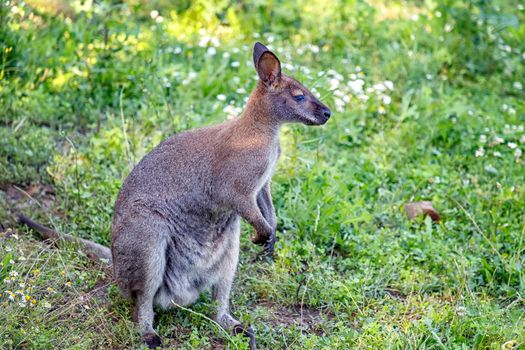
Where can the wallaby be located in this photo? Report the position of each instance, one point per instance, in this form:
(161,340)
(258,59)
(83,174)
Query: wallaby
(176,225)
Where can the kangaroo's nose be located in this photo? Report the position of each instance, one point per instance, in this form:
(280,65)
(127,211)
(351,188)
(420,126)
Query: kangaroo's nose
(327,113)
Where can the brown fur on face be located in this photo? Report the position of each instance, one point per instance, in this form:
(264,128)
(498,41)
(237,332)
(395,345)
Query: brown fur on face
(288,100)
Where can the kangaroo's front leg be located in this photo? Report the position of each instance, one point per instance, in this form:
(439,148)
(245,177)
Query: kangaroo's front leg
(264,201)
(248,209)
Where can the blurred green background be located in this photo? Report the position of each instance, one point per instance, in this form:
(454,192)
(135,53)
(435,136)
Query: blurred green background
(429,104)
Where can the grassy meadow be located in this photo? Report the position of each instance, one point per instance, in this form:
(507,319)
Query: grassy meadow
(428,101)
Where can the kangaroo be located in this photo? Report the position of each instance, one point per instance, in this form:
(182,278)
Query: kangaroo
(176,224)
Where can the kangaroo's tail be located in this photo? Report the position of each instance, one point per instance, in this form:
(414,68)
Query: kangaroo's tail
(94,251)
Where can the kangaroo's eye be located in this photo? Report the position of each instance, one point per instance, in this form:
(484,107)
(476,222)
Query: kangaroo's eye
(299,98)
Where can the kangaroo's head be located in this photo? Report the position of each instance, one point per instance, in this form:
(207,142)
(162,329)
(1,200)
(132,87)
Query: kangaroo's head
(287,99)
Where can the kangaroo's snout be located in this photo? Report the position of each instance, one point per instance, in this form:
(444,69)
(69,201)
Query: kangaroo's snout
(326,114)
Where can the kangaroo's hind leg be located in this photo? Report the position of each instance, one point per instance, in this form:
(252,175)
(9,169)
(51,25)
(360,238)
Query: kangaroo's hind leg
(140,268)
(221,290)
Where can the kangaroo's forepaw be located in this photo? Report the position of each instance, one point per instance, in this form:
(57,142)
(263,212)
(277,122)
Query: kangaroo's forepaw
(152,340)
(259,239)
(268,250)
(247,332)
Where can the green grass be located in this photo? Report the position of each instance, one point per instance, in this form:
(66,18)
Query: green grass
(429,104)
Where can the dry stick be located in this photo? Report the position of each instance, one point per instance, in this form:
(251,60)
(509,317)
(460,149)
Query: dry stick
(206,318)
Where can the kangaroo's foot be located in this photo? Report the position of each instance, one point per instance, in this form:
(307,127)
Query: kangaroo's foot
(248,333)
(152,340)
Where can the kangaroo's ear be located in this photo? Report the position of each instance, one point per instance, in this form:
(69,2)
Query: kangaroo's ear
(267,64)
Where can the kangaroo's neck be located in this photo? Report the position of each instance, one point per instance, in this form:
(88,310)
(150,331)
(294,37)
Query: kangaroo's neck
(258,114)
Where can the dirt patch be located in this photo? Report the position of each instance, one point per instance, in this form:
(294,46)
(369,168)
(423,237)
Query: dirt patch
(20,198)
(307,319)
(44,193)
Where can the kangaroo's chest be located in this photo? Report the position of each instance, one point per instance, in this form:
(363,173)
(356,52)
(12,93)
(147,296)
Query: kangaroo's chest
(268,168)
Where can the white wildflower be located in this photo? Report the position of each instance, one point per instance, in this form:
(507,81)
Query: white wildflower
(517,85)
(334,84)
(339,105)
(512,145)
(387,99)
(497,154)
(379,87)
(211,51)
(203,41)
(389,85)
(235,64)
(480,152)
(241,90)
(461,311)
(285,65)
(517,153)
(159,19)
(356,85)
(482,138)
(498,140)
(221,97)
(154,14)
(232,111)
